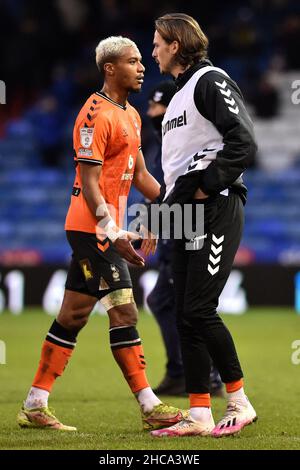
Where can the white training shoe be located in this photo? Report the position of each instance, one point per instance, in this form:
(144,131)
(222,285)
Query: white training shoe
(236,417)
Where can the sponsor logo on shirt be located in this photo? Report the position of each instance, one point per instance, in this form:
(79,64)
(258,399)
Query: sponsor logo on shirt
(127,177)
(85,152)
(175,122)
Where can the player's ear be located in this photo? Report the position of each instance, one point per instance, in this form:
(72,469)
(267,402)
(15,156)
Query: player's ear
(174,47)
(109,69)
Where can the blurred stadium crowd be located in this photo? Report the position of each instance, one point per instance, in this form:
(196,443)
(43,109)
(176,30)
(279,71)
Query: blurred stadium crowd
(47,63)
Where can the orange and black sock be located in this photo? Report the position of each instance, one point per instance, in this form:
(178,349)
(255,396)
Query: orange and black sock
(56,352)
(127,349)
(199,400)
(234,386)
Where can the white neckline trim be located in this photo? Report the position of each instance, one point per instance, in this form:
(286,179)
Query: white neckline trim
(111,101)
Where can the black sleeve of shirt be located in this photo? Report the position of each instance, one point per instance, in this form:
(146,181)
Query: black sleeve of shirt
(236,128)
(233,122)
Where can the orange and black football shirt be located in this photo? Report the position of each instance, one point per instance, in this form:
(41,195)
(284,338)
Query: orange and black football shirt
(108,134)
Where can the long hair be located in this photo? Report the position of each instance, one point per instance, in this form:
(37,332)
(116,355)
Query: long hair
(186,31)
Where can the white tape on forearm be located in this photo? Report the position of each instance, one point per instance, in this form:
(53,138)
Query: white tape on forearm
(112,231)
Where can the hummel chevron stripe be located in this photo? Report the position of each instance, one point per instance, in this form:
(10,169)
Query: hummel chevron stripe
(214,260)
(217,240)
(221,85)
(215,250)
(213,270)
(226,93)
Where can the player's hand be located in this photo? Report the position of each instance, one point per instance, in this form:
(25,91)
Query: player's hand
(199,194)
(149,243)
(125,249)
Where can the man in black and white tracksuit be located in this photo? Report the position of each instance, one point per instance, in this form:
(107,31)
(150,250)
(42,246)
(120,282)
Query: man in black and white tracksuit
(161,299)
(207,143)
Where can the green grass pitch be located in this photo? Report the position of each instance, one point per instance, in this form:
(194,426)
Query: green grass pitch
(93,396)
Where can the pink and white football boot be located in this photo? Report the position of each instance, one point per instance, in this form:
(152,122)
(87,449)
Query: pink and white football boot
(236,417)
(186,427)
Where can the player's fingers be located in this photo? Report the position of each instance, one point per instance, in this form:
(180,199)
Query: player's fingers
(146,247)
(133,236)
(135,256)
(149,246)
(131,259)
(154,246)
(127,252)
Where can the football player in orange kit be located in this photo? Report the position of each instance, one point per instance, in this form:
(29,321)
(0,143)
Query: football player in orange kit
(108,159)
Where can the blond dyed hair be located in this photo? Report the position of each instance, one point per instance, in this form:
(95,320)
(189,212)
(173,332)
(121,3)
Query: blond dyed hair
(110,49)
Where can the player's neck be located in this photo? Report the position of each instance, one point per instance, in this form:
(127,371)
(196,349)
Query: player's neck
(114,94)
(178,69)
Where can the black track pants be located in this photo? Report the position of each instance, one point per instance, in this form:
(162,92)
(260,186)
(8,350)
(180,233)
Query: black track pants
(199,278)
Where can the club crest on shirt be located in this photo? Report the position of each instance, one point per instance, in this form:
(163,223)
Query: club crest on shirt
(86,136)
